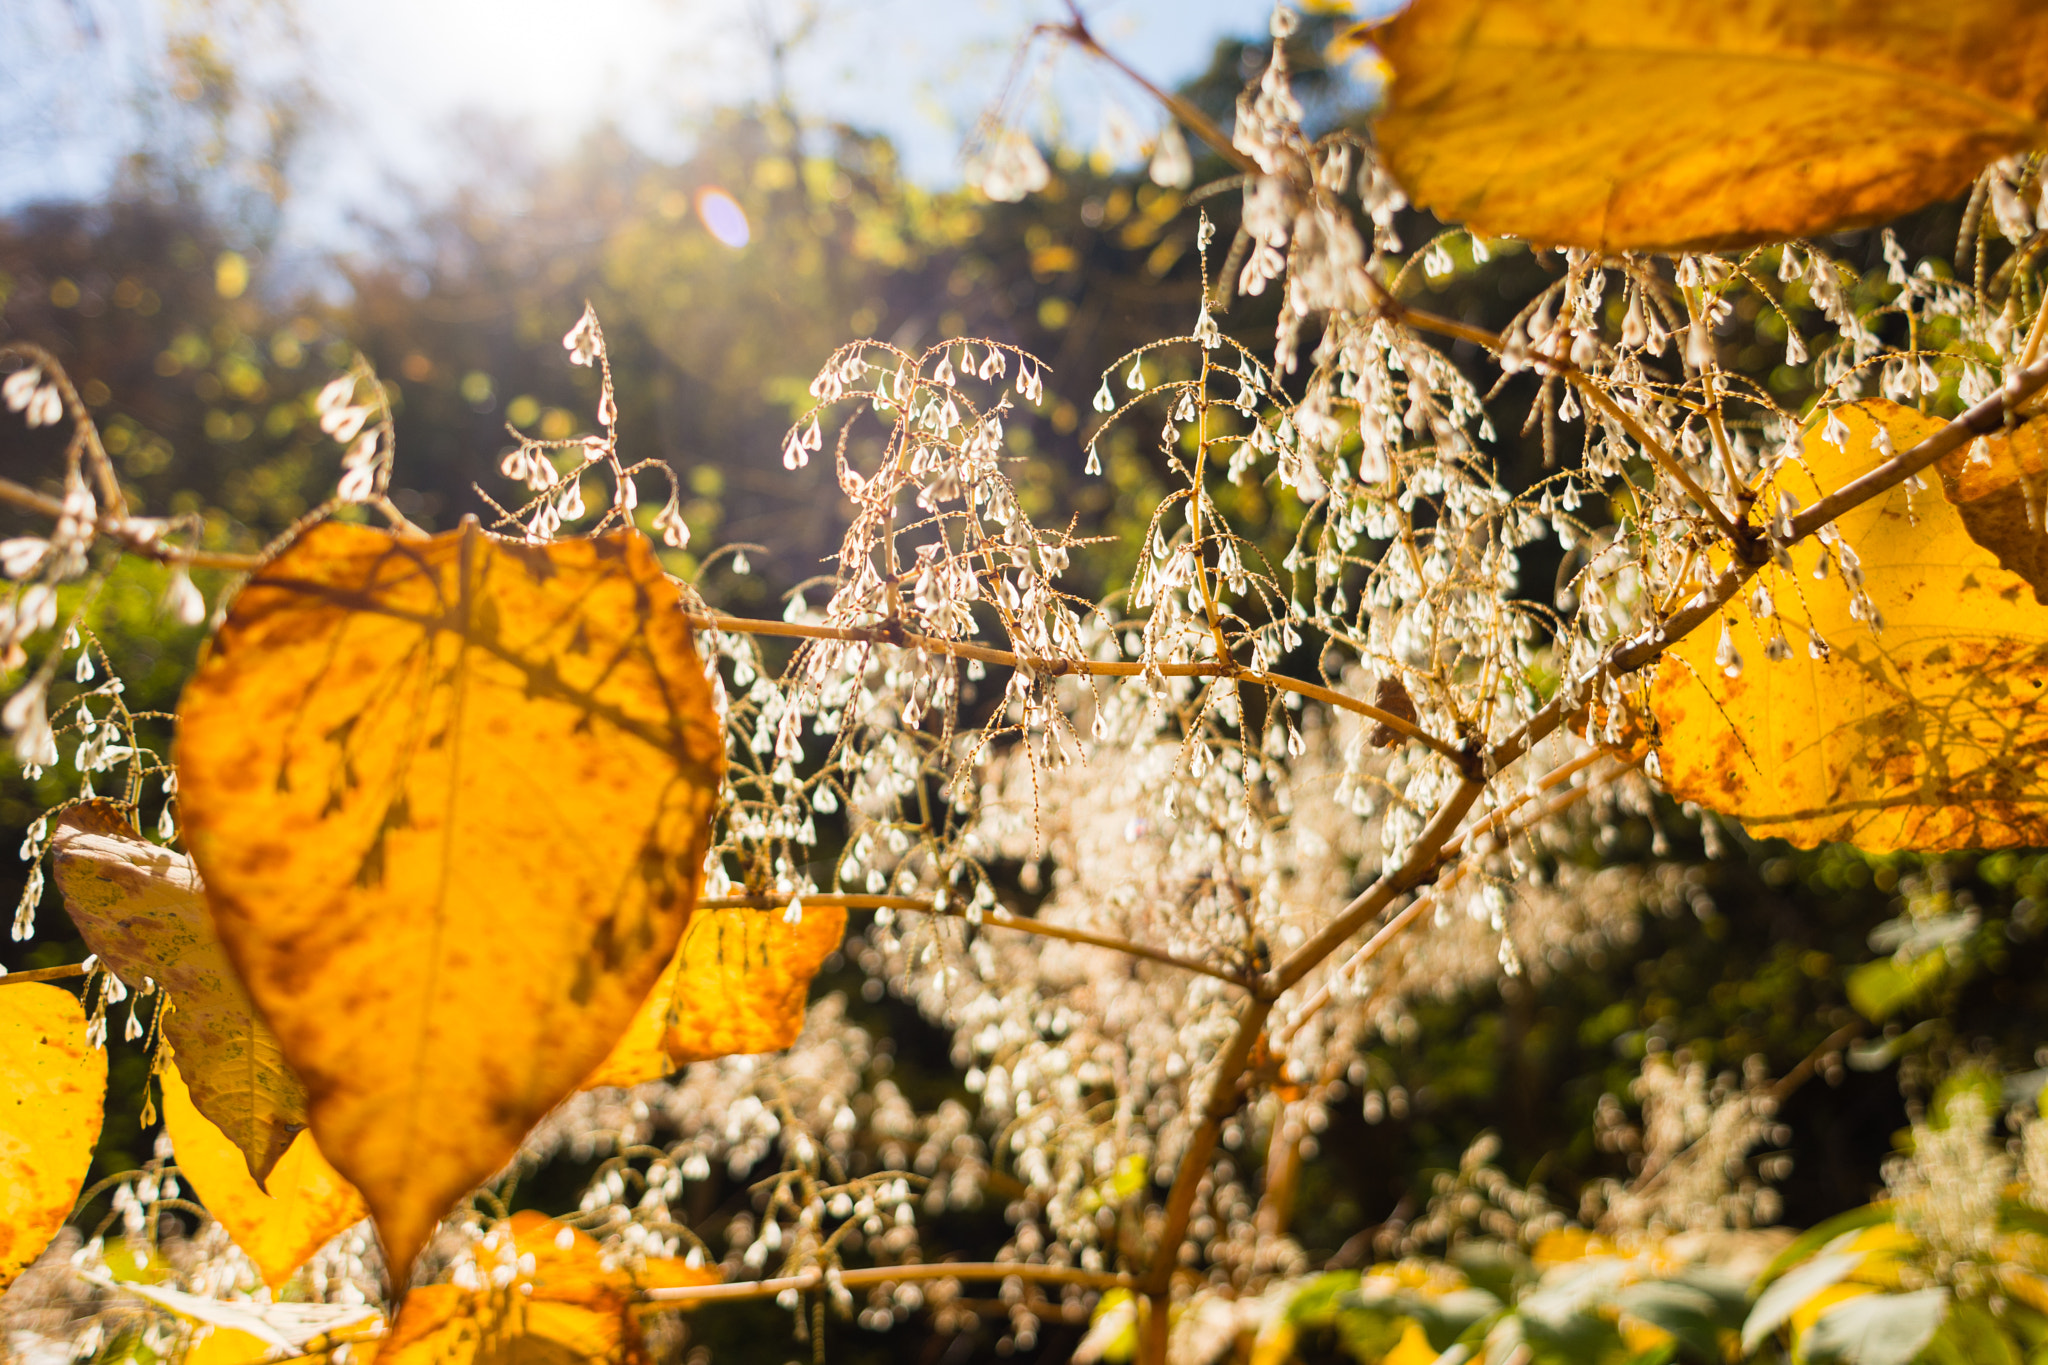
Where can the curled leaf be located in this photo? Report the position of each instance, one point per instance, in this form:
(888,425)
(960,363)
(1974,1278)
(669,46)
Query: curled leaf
(141,908)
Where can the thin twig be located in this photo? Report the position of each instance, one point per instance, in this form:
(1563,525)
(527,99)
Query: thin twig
(1630,656)
(997,918)
(1059,667)
(684,1295)
(122,529)
(45,974)
(1664,459)
(1076,31)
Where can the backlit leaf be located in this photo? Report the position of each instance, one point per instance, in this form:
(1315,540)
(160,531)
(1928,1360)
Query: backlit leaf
(1930,735)
(306,1205)
(546,1299)
(737,986)
(53,1086)
(451,801)
(140,907)
(1670,123)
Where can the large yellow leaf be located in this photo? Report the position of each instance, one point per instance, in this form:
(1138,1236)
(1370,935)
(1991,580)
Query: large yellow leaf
(140,907)
(306,1205)
(53,1086)
(737,986)
(1929,735)
(547,1299)
(1682,123)
(451,799)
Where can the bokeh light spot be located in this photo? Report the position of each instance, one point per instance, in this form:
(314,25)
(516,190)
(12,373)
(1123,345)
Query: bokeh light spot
(723,215)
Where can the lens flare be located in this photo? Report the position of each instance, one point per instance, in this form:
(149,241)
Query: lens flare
(723,215)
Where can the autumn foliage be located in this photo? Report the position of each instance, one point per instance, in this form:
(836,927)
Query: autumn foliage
(480,847)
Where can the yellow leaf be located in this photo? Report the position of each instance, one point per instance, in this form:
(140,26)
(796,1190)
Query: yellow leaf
(53,1086)
(140,907)
(737,986)
(1674,123)
(227,1346)
(451,799)
(561,1305)
(1807,1314)
(308,1202)
(1930,735)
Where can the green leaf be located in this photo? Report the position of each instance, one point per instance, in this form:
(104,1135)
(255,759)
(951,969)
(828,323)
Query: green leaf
(1564,1319)
(1881,989)
(1447,1319)
(2017,1215)
(1819,1235)
(1877,1329)
(1367,1334)
(1784,1297)
(1690,1314)
(1971,1336)
(1321,1299)
(1497,1269)
(1729,1292)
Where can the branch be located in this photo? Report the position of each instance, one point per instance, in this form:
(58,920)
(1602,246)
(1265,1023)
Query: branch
(892,634)
(1422,320)
(684,1295)
(1802,1073)
(1420,866)
(1737,536)
(1076,31)
(122,530)
(1630,656)
(998,918)
(1454,849)
(43,974)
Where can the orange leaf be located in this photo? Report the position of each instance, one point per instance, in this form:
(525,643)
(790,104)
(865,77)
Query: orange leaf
(737,986)
(53,1086)
(451,798)
(307,1204)
(547,1297)
(1928,735)
(1622,124)
(140,907)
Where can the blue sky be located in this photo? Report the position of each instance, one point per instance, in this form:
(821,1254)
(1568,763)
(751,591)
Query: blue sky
(396,74)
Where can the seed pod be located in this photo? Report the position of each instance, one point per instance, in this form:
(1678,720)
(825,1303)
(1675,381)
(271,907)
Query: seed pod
(1392,698)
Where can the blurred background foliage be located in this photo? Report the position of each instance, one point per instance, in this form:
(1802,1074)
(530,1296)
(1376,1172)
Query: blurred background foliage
(1867,983)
